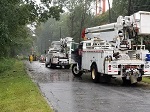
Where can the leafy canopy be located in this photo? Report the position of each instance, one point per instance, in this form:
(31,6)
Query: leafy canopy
(15,15)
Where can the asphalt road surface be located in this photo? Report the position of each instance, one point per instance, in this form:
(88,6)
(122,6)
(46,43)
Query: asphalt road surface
(65,93)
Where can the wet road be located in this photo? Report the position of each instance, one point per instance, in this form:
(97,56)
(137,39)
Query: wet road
(69,94)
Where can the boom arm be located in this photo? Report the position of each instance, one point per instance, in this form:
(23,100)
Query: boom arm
(136,23)
(123,30)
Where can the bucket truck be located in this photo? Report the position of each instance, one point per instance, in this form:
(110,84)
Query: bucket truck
(113,50)
(59,54)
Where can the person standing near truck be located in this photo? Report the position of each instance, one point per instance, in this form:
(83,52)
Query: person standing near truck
(78,55)
(30,58)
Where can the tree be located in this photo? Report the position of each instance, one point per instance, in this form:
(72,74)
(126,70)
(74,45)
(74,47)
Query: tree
(140,5)
(15,15)
(51,30)
(79,17)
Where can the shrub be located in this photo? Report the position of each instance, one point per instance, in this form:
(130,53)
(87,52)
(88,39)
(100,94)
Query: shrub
(6,64)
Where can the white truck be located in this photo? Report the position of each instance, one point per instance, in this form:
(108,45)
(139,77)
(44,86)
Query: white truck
(59,54)
(112,50)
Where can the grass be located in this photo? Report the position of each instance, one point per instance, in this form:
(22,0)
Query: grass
(18,93)
(146,79)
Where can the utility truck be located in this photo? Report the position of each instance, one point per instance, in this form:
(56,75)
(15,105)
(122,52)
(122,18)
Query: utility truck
(113,50)
(59,53)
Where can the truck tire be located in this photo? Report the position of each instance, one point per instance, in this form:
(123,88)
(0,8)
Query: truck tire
(51,65)
(94,74)
(125,81)
(67,66)
(75,71)
(46,65)
(139,79)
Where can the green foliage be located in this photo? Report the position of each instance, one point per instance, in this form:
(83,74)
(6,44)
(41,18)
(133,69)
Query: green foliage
(15,15)
(54,13)
(6,64)
(121,7)
(79,16)
(146,80)
(70,24)
(140,5)
(50,31)
(101,19)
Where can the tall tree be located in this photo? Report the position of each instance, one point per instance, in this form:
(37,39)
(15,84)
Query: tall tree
(140,5)
(79,18)
(15,15)
(51,30)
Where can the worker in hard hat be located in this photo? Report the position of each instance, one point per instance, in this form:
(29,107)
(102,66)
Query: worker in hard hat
(30,58)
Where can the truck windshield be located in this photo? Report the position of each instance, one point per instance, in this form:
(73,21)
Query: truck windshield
(74,46)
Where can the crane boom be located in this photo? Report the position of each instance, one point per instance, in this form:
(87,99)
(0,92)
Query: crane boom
(124,30)
(137,23)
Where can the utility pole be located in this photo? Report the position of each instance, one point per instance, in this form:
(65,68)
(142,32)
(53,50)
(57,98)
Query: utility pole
(109,12)
(82,20)
(60,32)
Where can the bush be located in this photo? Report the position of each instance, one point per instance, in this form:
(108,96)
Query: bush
(6,64)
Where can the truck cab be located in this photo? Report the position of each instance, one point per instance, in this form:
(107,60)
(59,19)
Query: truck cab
(56,56)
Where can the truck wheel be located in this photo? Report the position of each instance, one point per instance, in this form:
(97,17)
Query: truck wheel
(139,79)
(51,65)
(125,81)
(46,65)
(75,71)
(94,74)
(67,66)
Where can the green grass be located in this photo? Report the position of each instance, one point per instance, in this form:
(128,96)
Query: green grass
(146,79)
(18,93)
